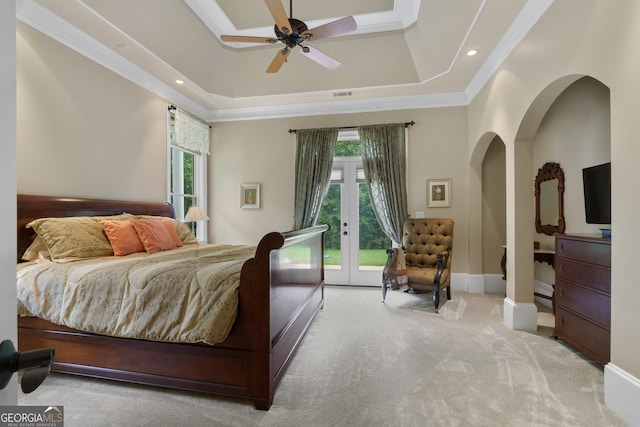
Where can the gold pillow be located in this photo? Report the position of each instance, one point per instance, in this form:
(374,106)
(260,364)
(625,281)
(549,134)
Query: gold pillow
(36,249)
(185,233)
(72,238)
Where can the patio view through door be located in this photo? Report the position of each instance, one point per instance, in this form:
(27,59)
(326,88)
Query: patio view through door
(355,246)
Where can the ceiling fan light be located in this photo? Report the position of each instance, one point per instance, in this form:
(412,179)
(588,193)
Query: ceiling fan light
(472,52)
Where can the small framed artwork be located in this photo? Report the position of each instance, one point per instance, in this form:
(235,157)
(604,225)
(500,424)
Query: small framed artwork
(438,193)
(250,197)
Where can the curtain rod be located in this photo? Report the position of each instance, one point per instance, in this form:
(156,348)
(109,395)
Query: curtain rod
(406,125)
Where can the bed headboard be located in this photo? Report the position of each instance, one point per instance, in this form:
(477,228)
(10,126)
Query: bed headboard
(32,207)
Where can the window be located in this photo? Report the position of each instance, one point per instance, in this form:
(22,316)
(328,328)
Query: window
(187,168)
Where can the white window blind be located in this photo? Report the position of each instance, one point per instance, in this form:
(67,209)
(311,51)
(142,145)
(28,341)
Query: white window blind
(191,134)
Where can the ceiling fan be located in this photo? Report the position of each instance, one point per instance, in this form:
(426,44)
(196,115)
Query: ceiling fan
(293,32)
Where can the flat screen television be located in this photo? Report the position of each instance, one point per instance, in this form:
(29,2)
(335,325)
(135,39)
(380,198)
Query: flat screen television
(596,181)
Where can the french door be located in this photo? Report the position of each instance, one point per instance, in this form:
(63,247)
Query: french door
(355,247)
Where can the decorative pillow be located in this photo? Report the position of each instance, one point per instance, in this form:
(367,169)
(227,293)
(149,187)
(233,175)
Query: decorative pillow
(72,238)
(154,234)
(36,250)
(121,216)
(183,230)
(168,222)
(123,236)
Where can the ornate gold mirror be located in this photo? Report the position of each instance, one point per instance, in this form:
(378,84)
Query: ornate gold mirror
(549,192)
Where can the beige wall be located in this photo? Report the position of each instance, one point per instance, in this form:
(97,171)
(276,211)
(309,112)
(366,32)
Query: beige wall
(576,132)
(494,221)
(263,152)
(8,309)
(82,129)
(575,38)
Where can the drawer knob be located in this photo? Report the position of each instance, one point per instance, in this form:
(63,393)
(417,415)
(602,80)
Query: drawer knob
(562,321)
(561,248)
(561,269)
(561,292)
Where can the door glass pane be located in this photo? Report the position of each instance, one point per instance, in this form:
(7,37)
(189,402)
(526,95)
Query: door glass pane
(330,214)
(373,243)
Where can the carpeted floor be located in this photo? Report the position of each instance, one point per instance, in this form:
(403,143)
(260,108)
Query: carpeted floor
(364,363)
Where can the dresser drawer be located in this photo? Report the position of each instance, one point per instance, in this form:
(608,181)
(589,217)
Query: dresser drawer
(583,301)
(587,337)
(587,251)
(585,274)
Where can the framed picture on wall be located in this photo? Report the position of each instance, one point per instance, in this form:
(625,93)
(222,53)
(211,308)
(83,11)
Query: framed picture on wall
(250,196)
(439,193)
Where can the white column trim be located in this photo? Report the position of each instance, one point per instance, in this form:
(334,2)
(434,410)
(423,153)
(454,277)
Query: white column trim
(520,316)
(622,394)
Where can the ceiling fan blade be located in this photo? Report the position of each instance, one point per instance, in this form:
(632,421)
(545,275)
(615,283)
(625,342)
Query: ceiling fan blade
(280,59)
(330,29)
(320,57)
(279,15)
(248,39)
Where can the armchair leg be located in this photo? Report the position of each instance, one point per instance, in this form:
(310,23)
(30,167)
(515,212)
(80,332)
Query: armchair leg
(385,279)
(436,297)
(449,292)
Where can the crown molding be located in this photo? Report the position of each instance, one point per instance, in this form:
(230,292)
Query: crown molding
(341,107)
(404,14)
(43,20)
(526,19)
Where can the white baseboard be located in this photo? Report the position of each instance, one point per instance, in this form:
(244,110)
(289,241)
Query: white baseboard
(520,316)
(622,394)
(460,282)
(495,284)
(478,283)
(544,289)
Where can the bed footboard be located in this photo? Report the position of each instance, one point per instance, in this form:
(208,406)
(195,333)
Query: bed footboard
(293,265)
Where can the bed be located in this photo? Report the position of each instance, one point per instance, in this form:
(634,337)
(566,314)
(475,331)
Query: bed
(281,289)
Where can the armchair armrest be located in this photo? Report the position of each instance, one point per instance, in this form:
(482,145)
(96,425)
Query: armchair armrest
(443,258)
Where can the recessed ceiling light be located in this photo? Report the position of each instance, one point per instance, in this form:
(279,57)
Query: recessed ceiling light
(180,81)
(472,52)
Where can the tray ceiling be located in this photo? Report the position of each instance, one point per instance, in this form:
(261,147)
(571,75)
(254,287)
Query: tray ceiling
(405,53)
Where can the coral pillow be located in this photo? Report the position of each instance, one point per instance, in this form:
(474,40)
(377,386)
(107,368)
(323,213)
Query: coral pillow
(122,236)
(155,235)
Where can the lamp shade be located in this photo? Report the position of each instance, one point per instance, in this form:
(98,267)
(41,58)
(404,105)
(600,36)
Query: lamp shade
(195,213)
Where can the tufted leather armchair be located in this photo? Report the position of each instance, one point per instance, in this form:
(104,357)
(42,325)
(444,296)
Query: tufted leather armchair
(424,261)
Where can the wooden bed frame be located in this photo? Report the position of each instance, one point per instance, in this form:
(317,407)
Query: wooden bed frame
(278,300)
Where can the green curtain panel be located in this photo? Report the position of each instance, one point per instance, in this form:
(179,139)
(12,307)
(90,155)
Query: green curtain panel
(383,157)
(314,158)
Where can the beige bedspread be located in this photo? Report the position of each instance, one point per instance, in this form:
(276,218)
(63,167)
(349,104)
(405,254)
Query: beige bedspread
(189,294)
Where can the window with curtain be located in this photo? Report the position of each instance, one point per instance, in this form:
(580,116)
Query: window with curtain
(188,147)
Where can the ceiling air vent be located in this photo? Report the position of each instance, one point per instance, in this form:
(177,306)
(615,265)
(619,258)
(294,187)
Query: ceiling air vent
(342,94)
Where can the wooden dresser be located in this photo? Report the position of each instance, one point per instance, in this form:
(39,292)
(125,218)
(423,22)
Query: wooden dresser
(582,293)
